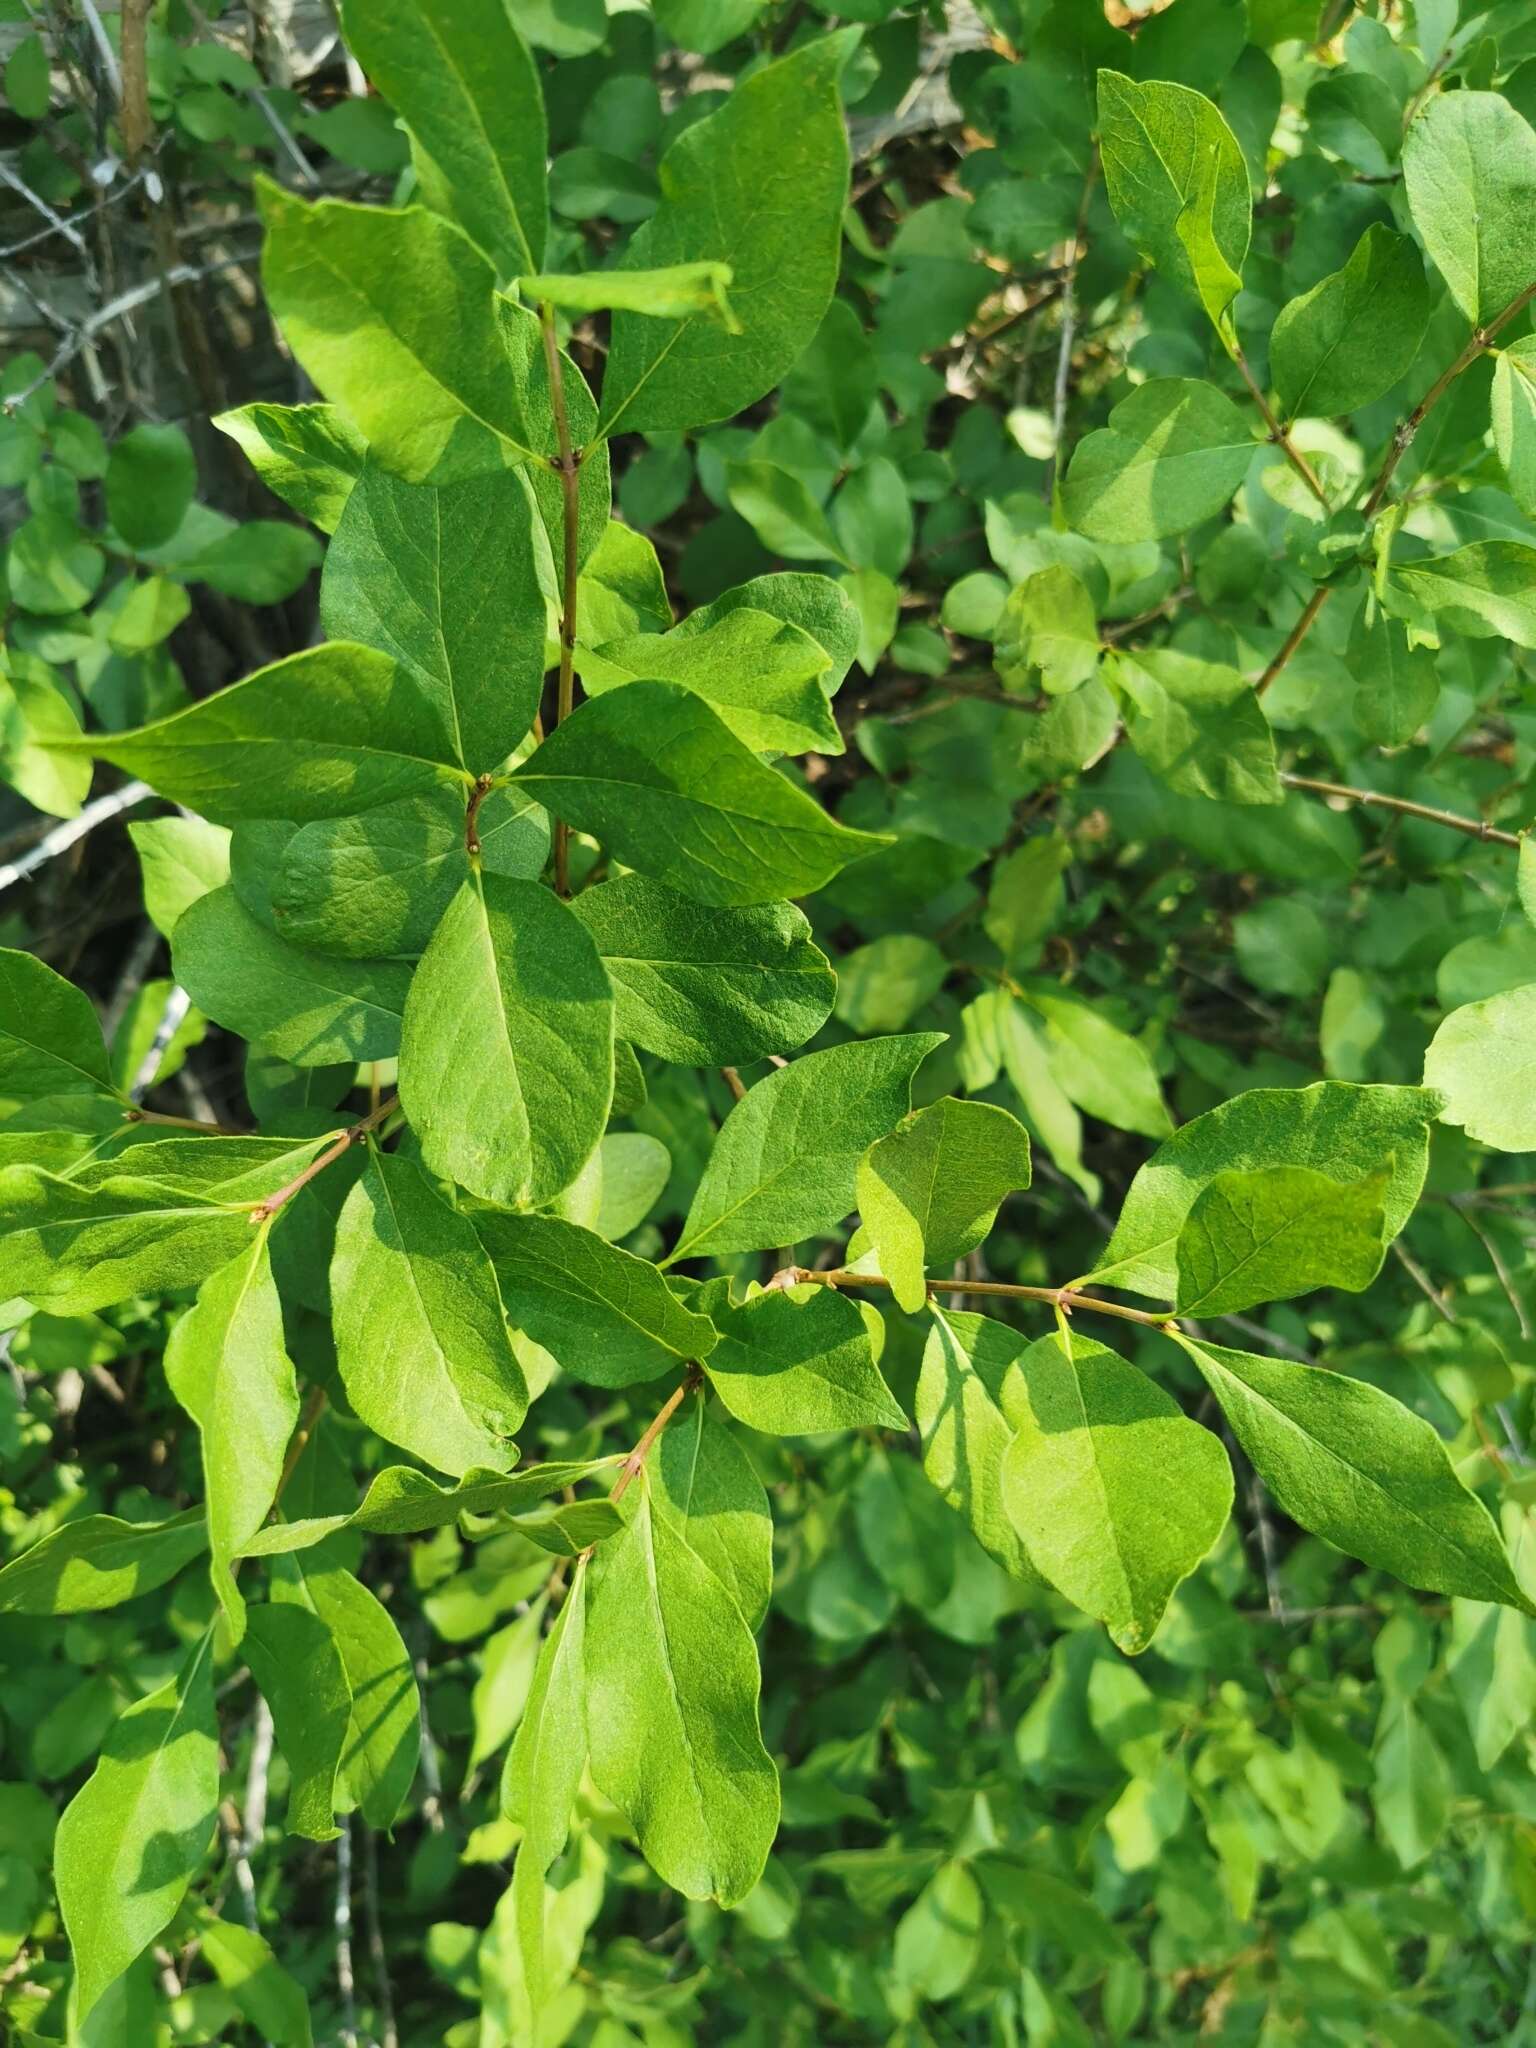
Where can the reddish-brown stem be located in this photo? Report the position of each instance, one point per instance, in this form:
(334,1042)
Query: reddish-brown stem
(567,466)
(1403,439)
(635,1462)
(1065,1298)
(1278,434)
(338,1147)
(314,1408)
(181,1123)
(477,796)
(1294,638)
(1475,828)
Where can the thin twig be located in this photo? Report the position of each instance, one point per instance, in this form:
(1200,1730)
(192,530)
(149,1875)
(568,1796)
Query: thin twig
(1068,326)
(104,47)
(635,1462)
(1294,638)
(1481,341)
(734,1082)
(354,1134)
(345,1981)
(1475,828)
(64,835)
(567,465)
(384,1998)
(1500,1271)
(1064,1298)
(1278,434)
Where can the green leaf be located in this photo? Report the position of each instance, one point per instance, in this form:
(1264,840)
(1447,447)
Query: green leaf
(153,611)
(114,1229)
(310,456)
(384,1733)
(930,1191)
(1347,341)
(1493,1671)
(653,772)
(543,1774)
(815,604)
(1412,1793)
(1486,590)
(1024,1052)
(50,1039)
(675,293)
(1514,419)
(151,478)
(1276,1231)
(261,562)
(326,732)
(27,84)
(295,1661)
(634,1168)
(1103,1069)
(1176,178)
(780,508)
(445,579)
(1025,896)
(937,1943)
(784,1164)
(396,317)
(1198,725)
(462,79)
(99,1561)
(703,1482)
(272,2001)
(797,1362)
(1469,168)
(1483,1060)
(380,883)
(401,1501)
(714,987)
(967,1405)
(36,713)
(759,185)
(1397,684)
(607,1317)
(1172,455)
(672,1685)
(1117,1495)
(309,1008)
(421,1335)
(762,675)
(181,859)
(1049,627)
(133,1836)
(1333,1127)
(506,1059)
(227,1366)
(882,986)
(1355,1467)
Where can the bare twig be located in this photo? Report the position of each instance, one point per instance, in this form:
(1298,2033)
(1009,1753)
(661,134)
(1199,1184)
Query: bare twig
(59,838)
(1294,638)
(1068,326)
(567,465)
(177,1004)
(354,1134)
(346,1983)
(1065,1298)
(1475,828)
(384,1998)
(104,47)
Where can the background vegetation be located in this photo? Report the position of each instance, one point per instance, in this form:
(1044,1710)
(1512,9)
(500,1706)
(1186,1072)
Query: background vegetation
(1205,753)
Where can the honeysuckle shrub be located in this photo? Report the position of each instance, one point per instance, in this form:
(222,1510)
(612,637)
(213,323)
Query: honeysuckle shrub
(846,1355)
